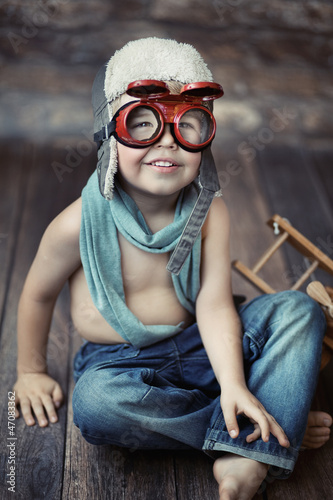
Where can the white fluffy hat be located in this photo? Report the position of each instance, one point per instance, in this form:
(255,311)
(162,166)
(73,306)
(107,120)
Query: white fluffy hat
(153,59)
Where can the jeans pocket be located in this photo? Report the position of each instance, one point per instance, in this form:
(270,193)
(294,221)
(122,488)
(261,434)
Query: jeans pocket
(91,354)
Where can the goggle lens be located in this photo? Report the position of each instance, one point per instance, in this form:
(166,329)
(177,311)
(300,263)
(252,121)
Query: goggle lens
(196,126)
(143,123)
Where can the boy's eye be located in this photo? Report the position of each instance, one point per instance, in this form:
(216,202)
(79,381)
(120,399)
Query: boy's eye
(142,124)
(185,125)
(196,126)
(190,128)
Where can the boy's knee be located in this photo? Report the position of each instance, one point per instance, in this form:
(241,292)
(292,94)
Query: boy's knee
(298,306)
(85,400)
(289,306)
(96,409)
(290,314)
(302,320)
(103,406)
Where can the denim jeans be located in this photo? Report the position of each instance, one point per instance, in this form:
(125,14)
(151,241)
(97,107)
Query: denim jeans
(165,396)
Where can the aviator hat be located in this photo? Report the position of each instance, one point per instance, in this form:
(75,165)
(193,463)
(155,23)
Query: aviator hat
(155,59)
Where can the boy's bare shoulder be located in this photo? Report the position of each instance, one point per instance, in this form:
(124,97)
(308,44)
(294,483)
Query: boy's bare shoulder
(58,255)
(61,238)
(217,222)
(66,226)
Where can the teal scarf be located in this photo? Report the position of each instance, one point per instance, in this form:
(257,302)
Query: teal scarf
(101,259)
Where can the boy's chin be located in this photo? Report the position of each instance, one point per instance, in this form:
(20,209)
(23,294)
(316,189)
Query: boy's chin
(155,189)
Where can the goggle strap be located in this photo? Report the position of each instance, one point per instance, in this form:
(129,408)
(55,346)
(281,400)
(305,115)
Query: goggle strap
(105,133)
(191,231)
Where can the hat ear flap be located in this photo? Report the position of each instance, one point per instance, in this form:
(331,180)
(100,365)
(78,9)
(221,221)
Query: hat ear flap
(107,158)
(208,174)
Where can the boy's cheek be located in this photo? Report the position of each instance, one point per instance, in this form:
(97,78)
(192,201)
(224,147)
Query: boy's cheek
(130,157)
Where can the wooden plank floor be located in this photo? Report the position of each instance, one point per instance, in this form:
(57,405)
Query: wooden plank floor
(56,463)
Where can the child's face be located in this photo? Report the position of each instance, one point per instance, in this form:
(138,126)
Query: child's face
(161,169)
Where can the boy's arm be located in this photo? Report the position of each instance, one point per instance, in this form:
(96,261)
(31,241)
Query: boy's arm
(221,331)
(57,258)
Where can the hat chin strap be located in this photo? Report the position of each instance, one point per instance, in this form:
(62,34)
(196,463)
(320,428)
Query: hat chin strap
(209,189)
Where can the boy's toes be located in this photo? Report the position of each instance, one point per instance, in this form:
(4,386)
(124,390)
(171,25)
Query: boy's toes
(318,430)
(319,419)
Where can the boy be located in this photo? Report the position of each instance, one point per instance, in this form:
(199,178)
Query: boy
(146,252)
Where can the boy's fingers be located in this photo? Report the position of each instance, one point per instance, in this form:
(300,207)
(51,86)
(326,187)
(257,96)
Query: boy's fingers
(231,421)
(263,424)
(279,433)
(254,435)
(26,411)
(57,395)
(268,424)
(38,408)
(49,406)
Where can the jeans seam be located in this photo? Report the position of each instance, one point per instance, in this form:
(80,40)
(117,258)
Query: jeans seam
(253,334)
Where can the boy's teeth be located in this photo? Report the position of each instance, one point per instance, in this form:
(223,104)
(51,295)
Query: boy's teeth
(162,164)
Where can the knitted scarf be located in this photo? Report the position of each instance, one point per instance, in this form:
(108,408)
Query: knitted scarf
(100,255)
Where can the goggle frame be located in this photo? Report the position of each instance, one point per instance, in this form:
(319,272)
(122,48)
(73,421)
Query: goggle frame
(170,108)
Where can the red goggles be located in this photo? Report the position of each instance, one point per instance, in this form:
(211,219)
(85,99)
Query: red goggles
(140,123)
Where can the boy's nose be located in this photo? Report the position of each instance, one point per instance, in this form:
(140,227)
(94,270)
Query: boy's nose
(166,139)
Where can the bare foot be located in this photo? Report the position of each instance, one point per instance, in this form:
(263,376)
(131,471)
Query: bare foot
(239,478)
(318,429)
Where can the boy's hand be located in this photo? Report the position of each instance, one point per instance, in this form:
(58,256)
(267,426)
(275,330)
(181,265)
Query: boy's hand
(39,393)
(237,400)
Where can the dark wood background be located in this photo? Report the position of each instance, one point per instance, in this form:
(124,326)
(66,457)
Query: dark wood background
(274,155)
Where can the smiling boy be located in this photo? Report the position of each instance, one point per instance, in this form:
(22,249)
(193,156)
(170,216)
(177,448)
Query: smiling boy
(146,252)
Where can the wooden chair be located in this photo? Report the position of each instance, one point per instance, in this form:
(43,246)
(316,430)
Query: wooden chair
(317,259)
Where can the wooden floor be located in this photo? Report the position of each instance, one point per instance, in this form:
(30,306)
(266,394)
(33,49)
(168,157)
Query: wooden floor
(56,463)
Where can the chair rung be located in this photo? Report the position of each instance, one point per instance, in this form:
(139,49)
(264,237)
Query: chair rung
(252,277)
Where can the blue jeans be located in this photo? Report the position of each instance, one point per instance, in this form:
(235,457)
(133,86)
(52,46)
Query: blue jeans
(166,396)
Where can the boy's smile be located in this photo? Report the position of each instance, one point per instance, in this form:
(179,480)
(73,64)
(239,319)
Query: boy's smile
(164,165)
